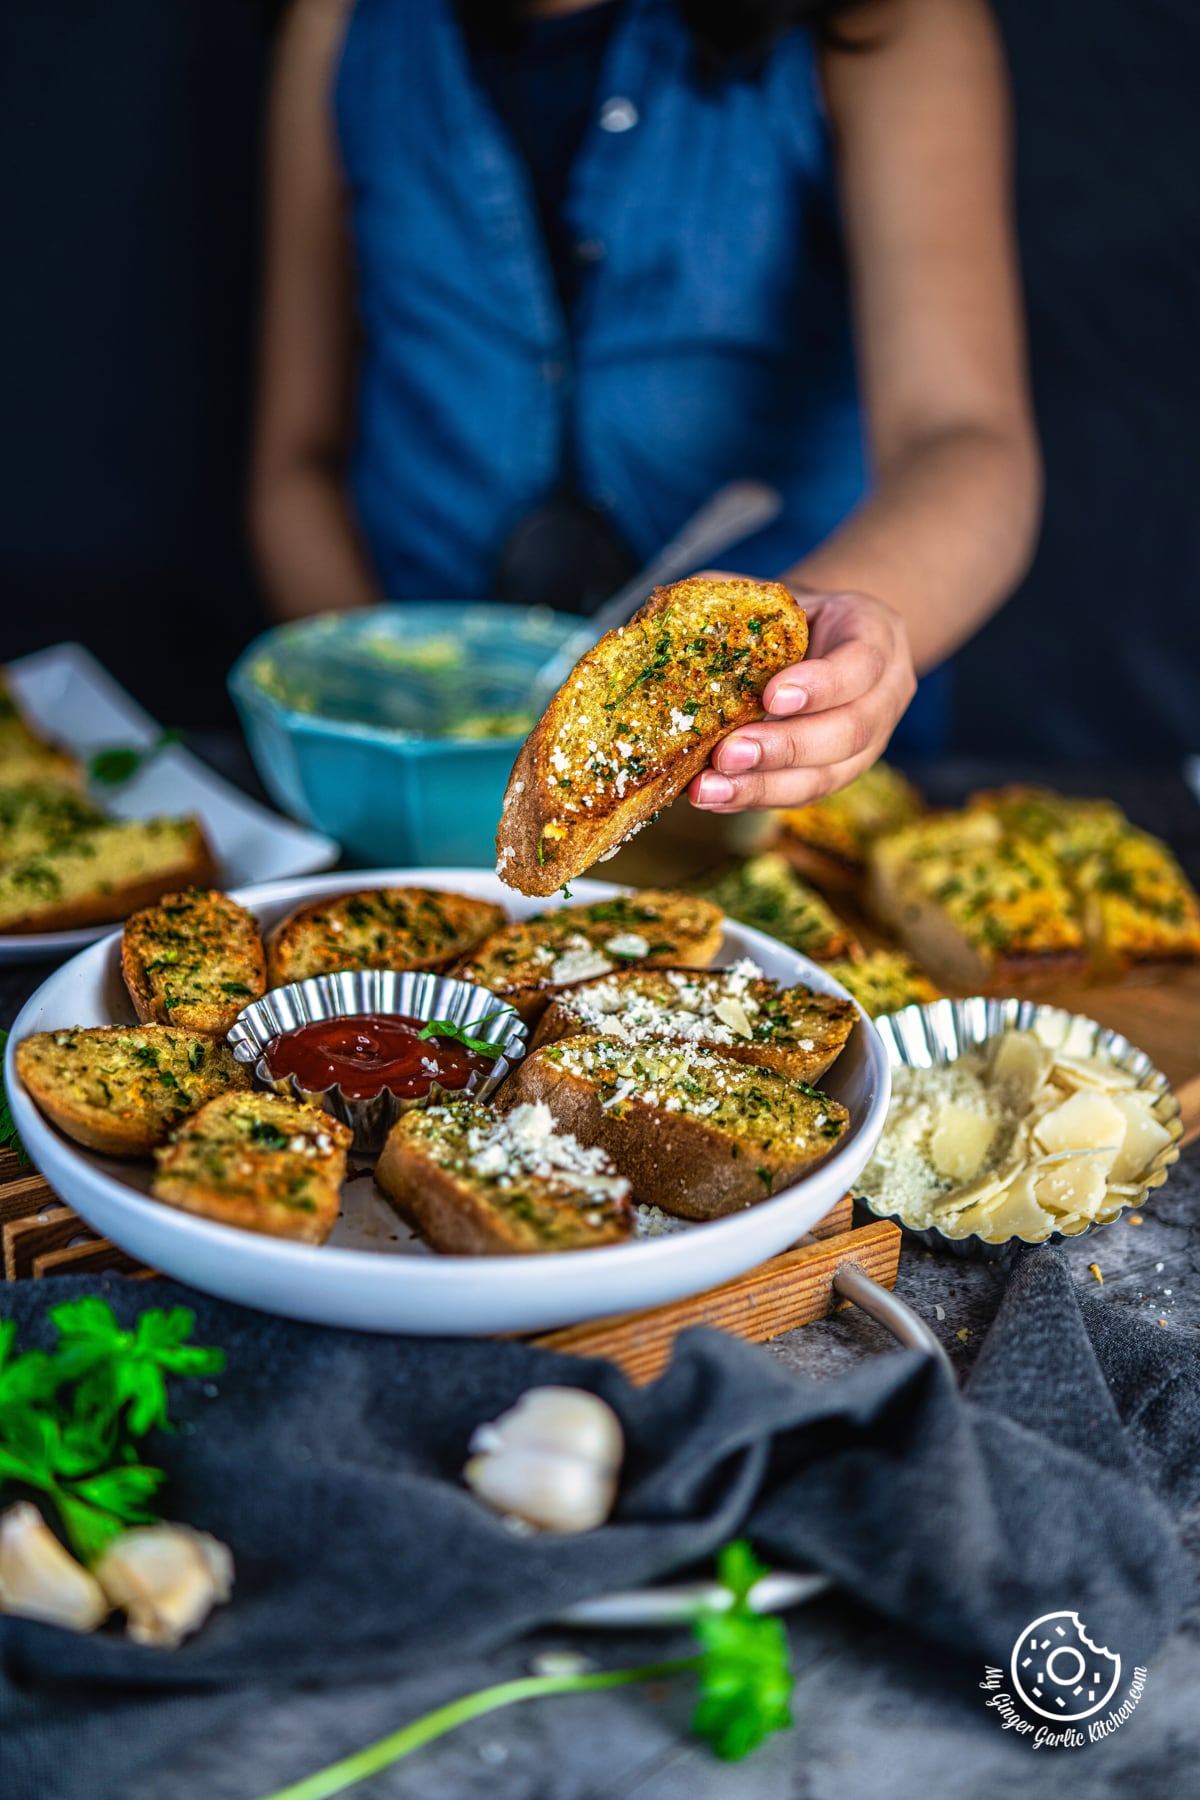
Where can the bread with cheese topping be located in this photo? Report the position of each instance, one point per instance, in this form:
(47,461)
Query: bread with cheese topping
(103,873)
(639,715)
(695,1132)
(796,1031)
(259,1162)
(829,840)
(378,928)
(475,1182)
(531,960)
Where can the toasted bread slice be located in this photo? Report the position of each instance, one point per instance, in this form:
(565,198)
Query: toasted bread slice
(475,1182)
(738,1011)
(695,1132)
(828,840)
(982,910)
(103,874)
(1065,826)
(638,716)
(260,1162)
(378,928)
(120,1089)
(194,960)
(26,756)
(883,981)
(531,960)
(38,816)
(1138,906)
(765,892)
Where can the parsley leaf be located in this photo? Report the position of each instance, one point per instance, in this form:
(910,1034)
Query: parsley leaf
(120,762)
(446,1028)
(9,1136)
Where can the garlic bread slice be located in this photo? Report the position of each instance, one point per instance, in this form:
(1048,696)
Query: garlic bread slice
(194,960)
(378,928)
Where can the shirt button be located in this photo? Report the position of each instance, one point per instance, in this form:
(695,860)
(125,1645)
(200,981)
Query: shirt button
(618,114)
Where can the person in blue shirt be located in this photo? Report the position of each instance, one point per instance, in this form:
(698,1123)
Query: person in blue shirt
(541,275)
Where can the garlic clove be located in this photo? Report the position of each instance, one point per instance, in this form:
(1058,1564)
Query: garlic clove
(40,1579)
(569,1420)
(166,1579)
(544,1487)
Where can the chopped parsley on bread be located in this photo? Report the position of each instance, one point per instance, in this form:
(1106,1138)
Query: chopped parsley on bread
(260,1162)
(38,816)
(766,893)
(479,1183)
(530,960)
(695,1132)
(829,840)
(738,1011)
(121,1089)
(378,928)
(103,872)
(193,960)
(882,981)
(637,718)
(26,756)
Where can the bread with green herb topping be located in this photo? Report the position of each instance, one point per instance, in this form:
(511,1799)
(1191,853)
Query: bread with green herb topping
(531,960)
(639,715)
(378,928)
(120,1089)
(475,1182)
(37,816)
(695,1132)
(194,960)
(766,893)
(259,1162)
(882,981)
(103,873)
(796,1031)
(25,755)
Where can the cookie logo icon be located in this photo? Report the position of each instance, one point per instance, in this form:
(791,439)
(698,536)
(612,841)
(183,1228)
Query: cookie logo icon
(1057,1670)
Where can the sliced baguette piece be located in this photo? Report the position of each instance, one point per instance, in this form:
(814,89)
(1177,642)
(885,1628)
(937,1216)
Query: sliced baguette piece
(828,840)
(378,928)
(638,716)
(765,892)
(194,960)
(983,911)
(36,816)
(475,1182)
(696,1133)
(260,1162)
(882,981)
(532,960)
(795,1031)
(25,755)
(103,874)
(1138,906)
(121,1089)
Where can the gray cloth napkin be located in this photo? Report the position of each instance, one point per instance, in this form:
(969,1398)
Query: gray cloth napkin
(330,1462)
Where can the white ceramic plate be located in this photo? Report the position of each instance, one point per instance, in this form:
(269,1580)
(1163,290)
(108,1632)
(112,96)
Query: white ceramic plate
(66,694)
(372,1275)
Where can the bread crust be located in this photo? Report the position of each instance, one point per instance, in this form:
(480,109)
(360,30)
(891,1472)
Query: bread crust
(678,1162)
(66,1073)
(637,718)
(378,928)
(195,867)
(202,942)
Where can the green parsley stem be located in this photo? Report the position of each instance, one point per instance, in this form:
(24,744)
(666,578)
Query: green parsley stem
(341,1775)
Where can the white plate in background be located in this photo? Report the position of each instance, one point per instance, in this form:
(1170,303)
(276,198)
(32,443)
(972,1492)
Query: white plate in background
(67,696)
(372,1275)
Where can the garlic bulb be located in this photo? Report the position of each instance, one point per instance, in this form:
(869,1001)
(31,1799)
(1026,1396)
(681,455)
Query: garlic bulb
(166,1578)
(553,1460)
(39,1579)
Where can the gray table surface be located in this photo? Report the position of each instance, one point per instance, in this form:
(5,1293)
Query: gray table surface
(877,1712)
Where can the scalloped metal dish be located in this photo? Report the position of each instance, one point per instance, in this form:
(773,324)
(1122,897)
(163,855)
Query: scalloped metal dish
(940,1032)
(416,995)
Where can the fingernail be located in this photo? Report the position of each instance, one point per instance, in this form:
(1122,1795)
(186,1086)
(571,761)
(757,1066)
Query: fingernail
(737,754)
(714,789)
(789,699)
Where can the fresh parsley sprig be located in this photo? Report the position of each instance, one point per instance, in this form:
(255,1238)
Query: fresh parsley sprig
(743,1671)
(10,1137)
(119,763)
(446,1028)
(70,1417)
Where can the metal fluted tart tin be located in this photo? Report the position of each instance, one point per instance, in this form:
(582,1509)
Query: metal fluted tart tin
(942,1030)
(414,995)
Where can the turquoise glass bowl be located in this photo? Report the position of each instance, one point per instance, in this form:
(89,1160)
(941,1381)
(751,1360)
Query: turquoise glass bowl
(361,723)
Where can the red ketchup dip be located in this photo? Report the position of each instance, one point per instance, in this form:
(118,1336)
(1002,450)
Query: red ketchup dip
(368,1052)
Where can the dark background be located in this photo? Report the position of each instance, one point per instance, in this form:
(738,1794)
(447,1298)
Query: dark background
(129,157)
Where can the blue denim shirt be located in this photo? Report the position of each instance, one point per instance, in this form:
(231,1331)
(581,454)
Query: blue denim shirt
(710,339)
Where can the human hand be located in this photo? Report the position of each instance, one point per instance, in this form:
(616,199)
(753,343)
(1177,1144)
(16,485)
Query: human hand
(828,718)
